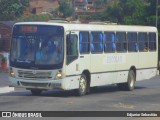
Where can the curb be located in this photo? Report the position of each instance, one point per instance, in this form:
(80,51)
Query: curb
(6,89)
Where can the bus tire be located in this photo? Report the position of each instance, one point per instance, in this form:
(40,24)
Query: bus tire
(131,81)
(130,84)
(81,91)
(36,92)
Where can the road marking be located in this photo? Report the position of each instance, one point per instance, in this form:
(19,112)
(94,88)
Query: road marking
(122,105)
(6,89)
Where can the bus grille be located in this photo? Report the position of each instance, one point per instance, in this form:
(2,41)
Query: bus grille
(32,75)
(35,84)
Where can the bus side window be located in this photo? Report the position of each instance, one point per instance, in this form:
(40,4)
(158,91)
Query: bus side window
(109,42)
(72,49)
(121,42)
(84,42)
(152,41)
(143,42)
(96,42)
(132,42)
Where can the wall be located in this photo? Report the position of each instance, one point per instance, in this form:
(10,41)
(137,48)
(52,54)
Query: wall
(5,34)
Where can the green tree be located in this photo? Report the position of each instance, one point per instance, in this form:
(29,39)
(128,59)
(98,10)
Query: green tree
(65,8)
(100,3)
(134,12)
(127,12)
(30,18)
(11,9)
(112,13)
(151,10)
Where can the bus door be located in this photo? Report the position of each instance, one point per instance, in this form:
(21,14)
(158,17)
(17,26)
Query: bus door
(72,61)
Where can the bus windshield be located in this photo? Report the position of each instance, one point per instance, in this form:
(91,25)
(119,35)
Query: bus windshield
(37,46)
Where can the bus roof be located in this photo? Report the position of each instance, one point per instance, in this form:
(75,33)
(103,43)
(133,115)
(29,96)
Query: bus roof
(95,27)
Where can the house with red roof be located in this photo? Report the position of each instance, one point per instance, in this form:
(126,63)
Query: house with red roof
(43,6)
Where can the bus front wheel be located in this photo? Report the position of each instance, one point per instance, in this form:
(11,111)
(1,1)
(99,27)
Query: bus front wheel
(82,86)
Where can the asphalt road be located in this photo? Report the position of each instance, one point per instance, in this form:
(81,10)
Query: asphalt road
(145,97)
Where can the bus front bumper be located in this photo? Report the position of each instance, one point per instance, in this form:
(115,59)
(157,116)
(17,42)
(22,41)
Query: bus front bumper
(67,83)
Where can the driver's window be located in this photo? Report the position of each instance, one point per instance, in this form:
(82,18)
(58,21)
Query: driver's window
(72,51)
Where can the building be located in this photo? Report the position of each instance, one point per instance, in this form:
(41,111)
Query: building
(43,6)
(84,5)
(5,37)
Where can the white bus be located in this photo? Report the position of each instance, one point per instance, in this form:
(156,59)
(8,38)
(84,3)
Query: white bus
(71,56)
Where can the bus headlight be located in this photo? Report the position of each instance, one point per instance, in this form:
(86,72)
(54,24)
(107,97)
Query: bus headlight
(59,75)
(11,73)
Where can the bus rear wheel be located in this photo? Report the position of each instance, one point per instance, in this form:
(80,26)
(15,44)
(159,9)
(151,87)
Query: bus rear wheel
(81,91)
(131,81)
(130,84)
(36,92)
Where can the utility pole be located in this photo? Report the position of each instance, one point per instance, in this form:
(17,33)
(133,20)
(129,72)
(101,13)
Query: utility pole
(73,7)
(157,13)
